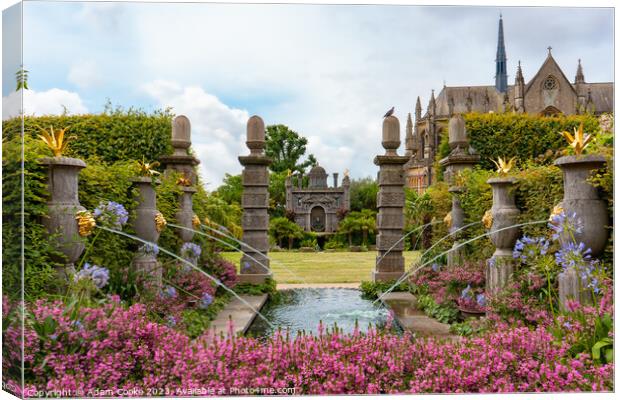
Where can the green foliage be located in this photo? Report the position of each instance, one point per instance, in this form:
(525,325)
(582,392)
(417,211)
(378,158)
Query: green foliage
(197,321)
(524,136)
(40,257)
(281,228)
(372,290)
(277,194)
(286,148)
(112,136)
(231,189)
(446,313)
(269,287)
(363,194)
(363,222)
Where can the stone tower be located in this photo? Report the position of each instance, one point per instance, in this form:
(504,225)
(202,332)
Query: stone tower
(519,90)
(501,76)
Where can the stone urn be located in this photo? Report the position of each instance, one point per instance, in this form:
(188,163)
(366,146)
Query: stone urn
(144,225)
(185,215)
(505,214)
(581,198)
(63,205)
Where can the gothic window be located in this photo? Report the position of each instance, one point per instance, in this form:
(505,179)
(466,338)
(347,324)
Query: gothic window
(550,83)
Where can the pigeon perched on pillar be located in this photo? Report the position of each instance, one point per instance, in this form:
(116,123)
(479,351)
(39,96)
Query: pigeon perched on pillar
(390,112)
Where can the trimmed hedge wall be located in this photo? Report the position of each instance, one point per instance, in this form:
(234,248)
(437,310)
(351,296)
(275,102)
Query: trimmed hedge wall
(527,137)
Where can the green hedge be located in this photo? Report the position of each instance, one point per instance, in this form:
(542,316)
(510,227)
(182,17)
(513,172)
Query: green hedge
(116,135)
(527,137)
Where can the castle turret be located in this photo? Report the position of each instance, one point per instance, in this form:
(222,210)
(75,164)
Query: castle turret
(418,110)
(519,90)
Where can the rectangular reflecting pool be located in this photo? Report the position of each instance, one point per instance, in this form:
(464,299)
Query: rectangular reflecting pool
(303,310)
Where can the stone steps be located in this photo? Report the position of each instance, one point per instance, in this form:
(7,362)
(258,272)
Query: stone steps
(409,317)
(240,314)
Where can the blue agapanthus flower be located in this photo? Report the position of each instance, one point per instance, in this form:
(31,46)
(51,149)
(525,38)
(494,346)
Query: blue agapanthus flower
(205,301)
(528,249)
(171,321)
(572,255)
(466,293)
(150,248)
(99,275)
(170,292)
(435,267)
(190,251)
(565,225)
(111,214)
(481,299)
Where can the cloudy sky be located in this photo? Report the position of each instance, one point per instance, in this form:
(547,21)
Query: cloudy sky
(329,72)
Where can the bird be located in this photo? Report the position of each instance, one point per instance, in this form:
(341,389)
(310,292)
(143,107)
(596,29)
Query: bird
(390,112)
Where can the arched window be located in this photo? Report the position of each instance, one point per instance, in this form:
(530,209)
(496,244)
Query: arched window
(550,111)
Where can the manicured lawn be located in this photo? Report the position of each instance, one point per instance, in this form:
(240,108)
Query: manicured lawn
(323,267)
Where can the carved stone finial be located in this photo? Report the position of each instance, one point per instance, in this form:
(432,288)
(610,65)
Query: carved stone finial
(181,133)
(391,135)
(256,135)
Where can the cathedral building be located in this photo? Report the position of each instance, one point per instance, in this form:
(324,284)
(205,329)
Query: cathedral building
(548,92)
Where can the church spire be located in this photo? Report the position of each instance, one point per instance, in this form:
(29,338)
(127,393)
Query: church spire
(579,78)
(409,136)
(501,76)
(418,109)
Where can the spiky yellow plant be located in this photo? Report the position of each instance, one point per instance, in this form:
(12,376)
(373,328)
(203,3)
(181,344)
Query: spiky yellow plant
(487,219)
(578,142)
(184,181)
(86,223)
(160,222)
(503,166)
(196,221)
(55,140)
(557,210)
(448,220)
(148,169)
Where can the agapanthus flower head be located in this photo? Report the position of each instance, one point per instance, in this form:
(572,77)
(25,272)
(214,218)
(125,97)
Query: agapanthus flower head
(149,248)
(573,255)
(171,321)
(111,214)
(466,293)
(481,299)
(190,251)
(435,267)
(565,224)
(170,292)
(528,249)
(491,262)
(99,275)
(205,301)
(245,266)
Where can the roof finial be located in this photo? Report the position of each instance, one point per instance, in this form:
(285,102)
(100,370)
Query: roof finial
(549,49)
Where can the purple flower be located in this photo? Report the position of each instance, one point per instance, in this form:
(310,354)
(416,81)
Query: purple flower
(149,248)
(565,225)
(205,301)
(466,293)
(111,214)
(481,300)
(573,255)
(171,321)
(170,292)
(435,267)
(99,275)
(528,250)
(190,251)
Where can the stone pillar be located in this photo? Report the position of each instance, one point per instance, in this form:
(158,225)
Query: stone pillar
(185,215)
(145,262)
(181,161)
(63,205)
(582,199)
(335,174)
(461,157)
(255,203)
(300,181)
(390,202)
(505,213)
(346,185)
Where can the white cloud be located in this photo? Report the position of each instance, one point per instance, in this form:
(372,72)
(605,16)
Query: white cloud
(218,131)
(54,101)
(85,74)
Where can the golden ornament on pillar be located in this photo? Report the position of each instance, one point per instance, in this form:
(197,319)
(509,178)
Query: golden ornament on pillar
(196,221)
(487,219)
(557,210)
(160,222)
(86,223)
(448,220)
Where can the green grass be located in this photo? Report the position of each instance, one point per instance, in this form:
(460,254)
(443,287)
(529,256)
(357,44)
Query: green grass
(323,267)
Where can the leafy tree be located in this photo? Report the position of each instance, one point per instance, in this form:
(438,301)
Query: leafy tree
(277,194)
(363,194)
(358,221)
(286,148)
(282,228)
(231,189)
(418,211)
